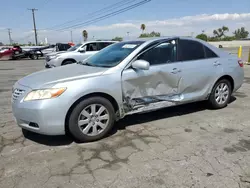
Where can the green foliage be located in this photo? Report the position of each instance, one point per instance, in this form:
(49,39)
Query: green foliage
(220,32)
(152,34)
(117,39)
(202,37)
(241,33)
(228,38)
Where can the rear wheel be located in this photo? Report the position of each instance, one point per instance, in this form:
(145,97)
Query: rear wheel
(221,94)
(91,119)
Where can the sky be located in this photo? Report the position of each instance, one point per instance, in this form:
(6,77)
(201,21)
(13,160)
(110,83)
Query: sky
(169,17)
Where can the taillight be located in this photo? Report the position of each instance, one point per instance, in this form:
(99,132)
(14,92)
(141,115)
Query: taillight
(241,64)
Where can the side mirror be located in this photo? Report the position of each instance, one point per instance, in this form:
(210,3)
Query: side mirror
(140,64)
(81,51)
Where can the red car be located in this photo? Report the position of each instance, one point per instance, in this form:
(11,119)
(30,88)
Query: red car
(7,53)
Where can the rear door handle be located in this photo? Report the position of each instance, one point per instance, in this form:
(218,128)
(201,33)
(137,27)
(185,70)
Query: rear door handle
(175,71)
(217,63)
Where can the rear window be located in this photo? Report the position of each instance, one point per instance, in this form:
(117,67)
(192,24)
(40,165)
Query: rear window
(209,53)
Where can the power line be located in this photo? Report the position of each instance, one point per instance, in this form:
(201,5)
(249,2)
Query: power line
(107,15)
(95,13)
(34,22)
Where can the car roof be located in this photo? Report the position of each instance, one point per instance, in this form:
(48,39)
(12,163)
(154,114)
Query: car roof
(99,41)
(149,40)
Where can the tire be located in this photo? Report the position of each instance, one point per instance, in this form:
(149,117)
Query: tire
(215,104)
(67,62)
(91,123)
(34,56)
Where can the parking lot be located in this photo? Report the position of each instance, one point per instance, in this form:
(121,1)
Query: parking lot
(184,146)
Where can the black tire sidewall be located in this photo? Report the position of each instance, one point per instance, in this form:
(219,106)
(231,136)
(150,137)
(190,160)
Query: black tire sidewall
(212,100)
(34,56)
(73,119)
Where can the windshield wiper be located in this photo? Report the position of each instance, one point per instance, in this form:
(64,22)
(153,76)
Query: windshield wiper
(84,63)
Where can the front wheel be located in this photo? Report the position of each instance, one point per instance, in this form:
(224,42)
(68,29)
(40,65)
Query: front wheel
(91,119)
(34,56)
(221,94)
(67,62)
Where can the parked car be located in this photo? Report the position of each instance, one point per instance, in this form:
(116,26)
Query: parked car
(16,52)
(88,97)
(76,53)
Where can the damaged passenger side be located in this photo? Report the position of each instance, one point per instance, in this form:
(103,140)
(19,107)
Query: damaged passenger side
(147,88)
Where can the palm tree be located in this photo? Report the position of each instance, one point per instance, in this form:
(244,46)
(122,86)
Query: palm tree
(85,35)
(143,27)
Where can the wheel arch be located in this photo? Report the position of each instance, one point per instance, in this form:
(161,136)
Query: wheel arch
(68,59)
(229,78)
(95,94)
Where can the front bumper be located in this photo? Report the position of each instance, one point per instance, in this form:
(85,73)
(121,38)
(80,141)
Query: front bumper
(51,63)
(40,116)
(48,65)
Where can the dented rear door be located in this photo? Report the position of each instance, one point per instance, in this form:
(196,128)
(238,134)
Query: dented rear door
(154,88)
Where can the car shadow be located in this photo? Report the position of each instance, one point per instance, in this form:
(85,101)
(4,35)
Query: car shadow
(48,140)
(125,122)
(162,114)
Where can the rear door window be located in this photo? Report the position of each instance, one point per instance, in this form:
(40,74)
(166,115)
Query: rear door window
(190,50)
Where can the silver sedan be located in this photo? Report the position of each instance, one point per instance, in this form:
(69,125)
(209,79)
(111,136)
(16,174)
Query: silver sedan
(88,97)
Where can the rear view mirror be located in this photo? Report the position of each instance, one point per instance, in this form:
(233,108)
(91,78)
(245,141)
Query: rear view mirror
(82,51)
(140,64)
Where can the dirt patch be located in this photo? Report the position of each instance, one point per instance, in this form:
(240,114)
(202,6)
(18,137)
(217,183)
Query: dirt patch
(241,146)
(188,130)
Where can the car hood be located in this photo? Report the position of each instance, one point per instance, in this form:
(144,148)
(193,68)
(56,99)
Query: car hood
(56,53)
(56,75)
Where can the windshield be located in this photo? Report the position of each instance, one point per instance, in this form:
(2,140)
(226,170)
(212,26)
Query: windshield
(73,48)
(112,55)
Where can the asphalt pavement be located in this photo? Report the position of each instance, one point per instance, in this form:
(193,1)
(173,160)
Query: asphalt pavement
(177,147)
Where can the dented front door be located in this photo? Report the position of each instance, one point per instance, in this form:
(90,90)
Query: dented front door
(154,88)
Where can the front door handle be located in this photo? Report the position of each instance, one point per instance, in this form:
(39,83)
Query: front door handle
(217,63)
(175,71)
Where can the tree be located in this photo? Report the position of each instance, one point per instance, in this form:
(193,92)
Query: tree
(241,33)
(85,35)
(202,37)
(143,27)
(152,34)
(117,39)
(220,32)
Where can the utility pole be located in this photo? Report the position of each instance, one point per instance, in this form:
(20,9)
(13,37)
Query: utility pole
(9,33)
(34,23)
(71,36)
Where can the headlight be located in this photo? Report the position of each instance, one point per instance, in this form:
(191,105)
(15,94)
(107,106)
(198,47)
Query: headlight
(54,56)
(44,94)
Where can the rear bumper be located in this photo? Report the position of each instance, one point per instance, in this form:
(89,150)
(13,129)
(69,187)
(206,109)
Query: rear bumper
(238,76)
